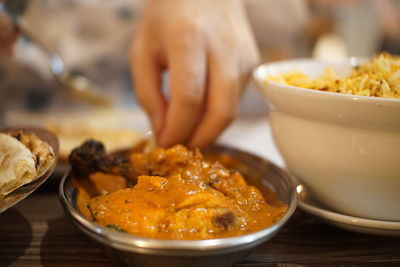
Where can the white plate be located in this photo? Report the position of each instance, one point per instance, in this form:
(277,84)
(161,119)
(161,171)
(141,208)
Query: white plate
(361,225)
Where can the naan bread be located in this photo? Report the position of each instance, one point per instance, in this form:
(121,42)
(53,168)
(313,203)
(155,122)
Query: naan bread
(40,149)
(24,157)
(17,164)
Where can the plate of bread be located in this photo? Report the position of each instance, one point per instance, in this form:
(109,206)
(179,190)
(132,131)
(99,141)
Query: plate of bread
(28,156)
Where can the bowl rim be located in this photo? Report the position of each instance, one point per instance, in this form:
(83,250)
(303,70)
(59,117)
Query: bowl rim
(263,82)
(144,245)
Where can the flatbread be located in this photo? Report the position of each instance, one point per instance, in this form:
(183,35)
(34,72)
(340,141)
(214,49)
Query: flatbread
(40,149)
(17,164)
(24,157)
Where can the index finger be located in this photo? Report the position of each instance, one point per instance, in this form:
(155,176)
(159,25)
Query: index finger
(187,69)
(147,82)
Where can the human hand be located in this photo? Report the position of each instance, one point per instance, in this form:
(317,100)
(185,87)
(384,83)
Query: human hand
(209,50)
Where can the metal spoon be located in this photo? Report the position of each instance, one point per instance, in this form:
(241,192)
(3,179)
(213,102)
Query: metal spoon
(78,85)
(19,194)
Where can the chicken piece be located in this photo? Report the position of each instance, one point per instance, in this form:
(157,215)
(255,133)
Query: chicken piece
(162,162)
(107,183)
(91,157)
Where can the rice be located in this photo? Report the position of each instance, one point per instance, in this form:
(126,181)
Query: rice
(379,77)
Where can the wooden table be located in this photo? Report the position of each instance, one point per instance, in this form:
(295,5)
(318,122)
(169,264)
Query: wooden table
(36,233)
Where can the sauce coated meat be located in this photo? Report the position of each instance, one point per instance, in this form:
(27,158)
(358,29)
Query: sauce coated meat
(178,195)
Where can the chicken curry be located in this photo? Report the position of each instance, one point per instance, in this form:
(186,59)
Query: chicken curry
(173,193)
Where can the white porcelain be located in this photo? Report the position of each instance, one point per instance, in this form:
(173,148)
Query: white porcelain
(351,223)
(344,148)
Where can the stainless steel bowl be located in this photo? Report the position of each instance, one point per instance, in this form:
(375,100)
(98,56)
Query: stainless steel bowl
(139,251)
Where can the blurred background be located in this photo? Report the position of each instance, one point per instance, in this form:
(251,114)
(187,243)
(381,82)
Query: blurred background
(92,37)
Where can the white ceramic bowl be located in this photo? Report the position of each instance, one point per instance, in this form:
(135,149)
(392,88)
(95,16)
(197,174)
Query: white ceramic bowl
(344,148)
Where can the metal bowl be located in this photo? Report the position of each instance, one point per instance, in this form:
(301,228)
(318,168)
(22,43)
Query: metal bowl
(139,251)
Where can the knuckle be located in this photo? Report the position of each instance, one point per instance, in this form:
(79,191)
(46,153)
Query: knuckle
(189,34)
(189,28)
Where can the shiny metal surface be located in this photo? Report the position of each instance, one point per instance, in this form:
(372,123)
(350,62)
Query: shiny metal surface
(79,86)
(140,251)
(19,194)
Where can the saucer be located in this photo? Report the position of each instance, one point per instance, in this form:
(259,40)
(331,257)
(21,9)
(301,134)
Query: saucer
(355,224)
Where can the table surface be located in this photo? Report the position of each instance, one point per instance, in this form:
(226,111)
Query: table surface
(36,233)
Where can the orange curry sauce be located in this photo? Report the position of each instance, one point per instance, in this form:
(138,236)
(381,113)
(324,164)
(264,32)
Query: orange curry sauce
(177,194)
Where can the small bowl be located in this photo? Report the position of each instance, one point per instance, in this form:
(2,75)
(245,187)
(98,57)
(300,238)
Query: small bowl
(344,148)
(139,251)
